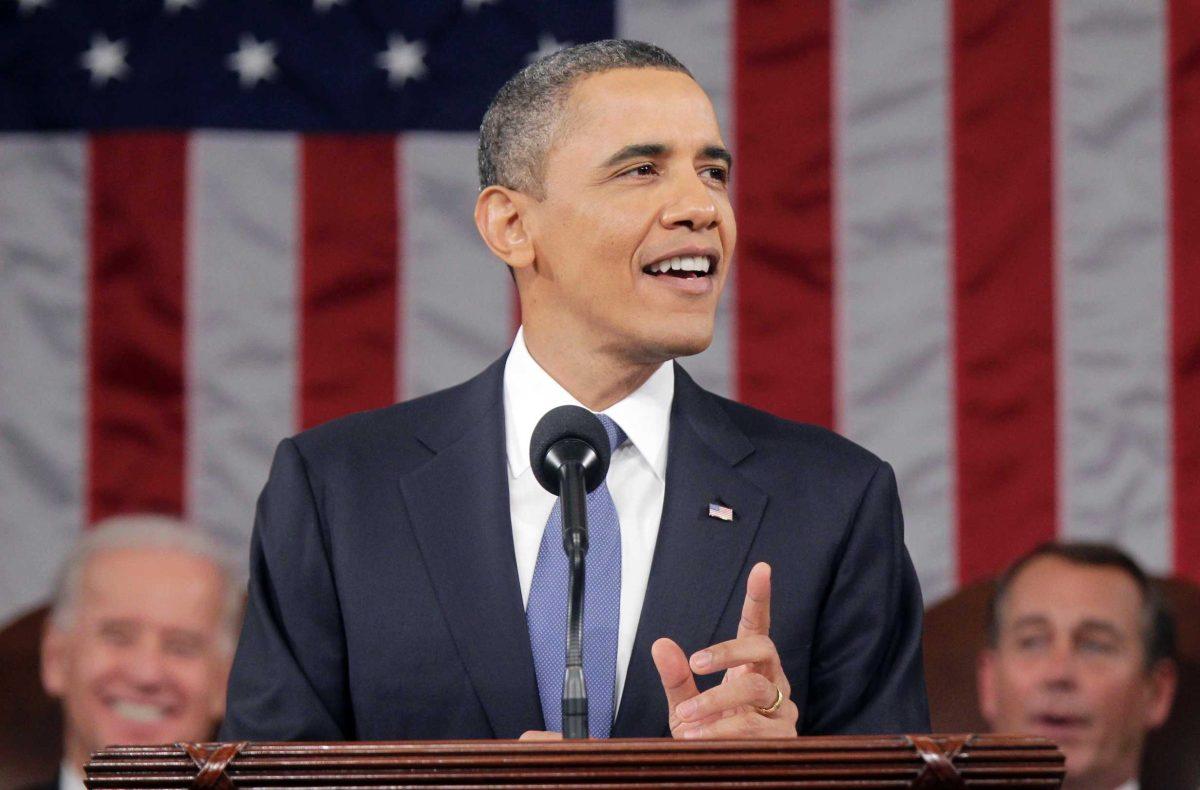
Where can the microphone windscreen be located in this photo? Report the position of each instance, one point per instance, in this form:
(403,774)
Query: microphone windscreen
(568,422)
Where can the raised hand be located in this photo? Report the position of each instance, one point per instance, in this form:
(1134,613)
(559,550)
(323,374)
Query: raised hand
(753,699)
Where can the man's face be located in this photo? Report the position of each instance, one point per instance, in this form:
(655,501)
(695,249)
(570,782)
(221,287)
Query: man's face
(1070,666)
(142,660)
(637,177)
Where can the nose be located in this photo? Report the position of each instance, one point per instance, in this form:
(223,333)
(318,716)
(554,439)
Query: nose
(1059,671)
(690,206)
(144,664)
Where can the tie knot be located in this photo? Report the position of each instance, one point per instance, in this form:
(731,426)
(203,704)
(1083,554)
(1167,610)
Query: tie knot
(615,434)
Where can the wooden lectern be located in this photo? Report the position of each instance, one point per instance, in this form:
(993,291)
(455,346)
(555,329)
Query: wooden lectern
(918,761)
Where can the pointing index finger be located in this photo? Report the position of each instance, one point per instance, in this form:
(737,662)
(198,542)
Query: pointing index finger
(756,609)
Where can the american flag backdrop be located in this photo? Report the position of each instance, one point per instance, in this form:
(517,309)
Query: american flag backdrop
(969,239)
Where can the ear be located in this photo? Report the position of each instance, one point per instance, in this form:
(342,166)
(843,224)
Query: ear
(985,683)
(54,661)
(501,218)
(1160,689)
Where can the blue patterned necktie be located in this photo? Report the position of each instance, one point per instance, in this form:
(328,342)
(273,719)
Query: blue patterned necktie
(546,612)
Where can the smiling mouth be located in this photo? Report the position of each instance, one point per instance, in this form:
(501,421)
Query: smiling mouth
(139,712)
(686,267)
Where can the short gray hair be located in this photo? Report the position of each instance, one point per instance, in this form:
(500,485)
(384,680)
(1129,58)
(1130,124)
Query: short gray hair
(150,531)
(520,123)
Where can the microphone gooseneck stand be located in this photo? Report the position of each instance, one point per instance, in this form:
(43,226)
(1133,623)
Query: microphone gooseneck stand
(569,454)
(575,544)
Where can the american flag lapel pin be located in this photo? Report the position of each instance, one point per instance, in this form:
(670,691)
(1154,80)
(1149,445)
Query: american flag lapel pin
(719,511)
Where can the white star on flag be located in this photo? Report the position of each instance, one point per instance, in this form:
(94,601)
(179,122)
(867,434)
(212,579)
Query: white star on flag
(321,6)
(547,45)
(254,60)
(105,59)
(403,60)
(475,5)
(175,6)
(27,7)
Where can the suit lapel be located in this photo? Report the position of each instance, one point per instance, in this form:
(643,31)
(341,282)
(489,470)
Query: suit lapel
(697,559)
(458,507)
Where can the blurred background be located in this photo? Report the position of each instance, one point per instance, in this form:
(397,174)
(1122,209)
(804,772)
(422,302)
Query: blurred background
(969,240)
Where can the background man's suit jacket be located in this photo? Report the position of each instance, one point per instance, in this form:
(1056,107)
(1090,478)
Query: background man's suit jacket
(384,601)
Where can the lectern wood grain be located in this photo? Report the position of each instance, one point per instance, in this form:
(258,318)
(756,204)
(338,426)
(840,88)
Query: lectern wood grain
(928,761)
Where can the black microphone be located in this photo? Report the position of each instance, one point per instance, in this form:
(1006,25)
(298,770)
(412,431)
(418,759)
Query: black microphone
(569,455)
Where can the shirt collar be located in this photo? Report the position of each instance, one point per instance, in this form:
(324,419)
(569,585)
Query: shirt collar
(530,392)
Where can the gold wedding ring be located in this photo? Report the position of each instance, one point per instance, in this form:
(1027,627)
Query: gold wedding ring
(776,705)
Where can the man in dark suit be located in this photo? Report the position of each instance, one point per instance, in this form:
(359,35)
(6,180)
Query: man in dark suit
(398,567)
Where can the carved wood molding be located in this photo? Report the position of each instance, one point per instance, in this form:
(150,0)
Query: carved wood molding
(212,764)
(939,770)
(918,761)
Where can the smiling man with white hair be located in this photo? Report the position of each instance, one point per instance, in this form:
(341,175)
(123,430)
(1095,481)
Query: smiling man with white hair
(139,640)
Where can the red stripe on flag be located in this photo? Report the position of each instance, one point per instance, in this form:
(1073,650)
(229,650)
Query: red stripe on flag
(350,257)
(136,324)
(1003,186)
(1184,81)
(784,195)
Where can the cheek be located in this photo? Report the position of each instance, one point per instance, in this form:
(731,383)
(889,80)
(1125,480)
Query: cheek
(95,674)
(1115,692)
(197,682)
(728,229)
(611,257)
(612,234)
(1017,687)
(96,665)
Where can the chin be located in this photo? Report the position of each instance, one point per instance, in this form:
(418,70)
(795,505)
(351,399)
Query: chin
(660,352)
(1079,759)
(678,342)
(691,349)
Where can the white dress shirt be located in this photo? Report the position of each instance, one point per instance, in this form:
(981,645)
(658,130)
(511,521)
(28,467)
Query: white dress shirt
(636,478)
(69,777)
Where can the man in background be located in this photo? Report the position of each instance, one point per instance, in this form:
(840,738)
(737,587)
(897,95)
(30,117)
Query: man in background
(139,639)
(1080,652)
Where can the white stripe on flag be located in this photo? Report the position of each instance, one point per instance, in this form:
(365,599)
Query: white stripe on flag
(700,35)
(1112,293)
(241,309)
(892,242)
(455,298)
(43,296)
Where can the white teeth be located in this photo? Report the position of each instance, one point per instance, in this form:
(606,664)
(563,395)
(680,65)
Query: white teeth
(139,712)
(686,263)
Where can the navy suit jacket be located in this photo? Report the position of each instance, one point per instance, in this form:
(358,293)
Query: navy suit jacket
(384,601)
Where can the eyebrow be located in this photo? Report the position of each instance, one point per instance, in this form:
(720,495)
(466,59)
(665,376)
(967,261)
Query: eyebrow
(1103,626)
(1030,620)
(1035,620)
(718,152)
(643,150)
